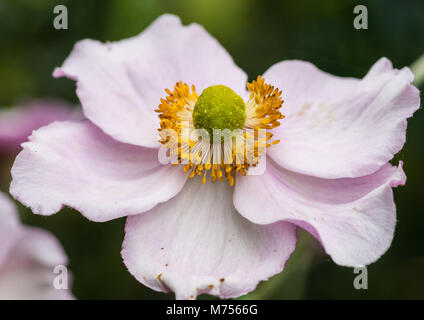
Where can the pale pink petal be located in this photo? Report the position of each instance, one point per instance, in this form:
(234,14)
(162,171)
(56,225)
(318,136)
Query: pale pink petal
(16,124)
(354,218)
(120,84)
(10,228)
(28,272)
(77,165)
(197,243)
(43,247)
(341,127)
(28,257)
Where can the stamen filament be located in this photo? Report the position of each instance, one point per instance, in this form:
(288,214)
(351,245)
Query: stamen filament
(230,154)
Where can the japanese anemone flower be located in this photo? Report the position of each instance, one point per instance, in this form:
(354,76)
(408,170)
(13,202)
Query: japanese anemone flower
(17,123)
(28,257)
(225,229)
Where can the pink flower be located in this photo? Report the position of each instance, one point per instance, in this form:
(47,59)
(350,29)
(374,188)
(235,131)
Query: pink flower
(28,257)
(330,173)
(17,123)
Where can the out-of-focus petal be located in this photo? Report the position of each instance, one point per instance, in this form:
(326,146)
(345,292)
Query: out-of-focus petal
(197,243)
(10,228)
(16,124)
(28,272)
(120,83)
(341,127)
(354,218)
(28,257)
(77,165)
(43,247)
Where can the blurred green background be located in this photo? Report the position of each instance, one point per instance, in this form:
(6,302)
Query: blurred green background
(257,34)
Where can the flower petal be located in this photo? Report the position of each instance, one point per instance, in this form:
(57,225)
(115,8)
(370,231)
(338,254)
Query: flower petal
(121,83)
(354,218)
(17,124)
(28,272)
(77,165)
(10,228)
(43,247)
(341,127)
(197,243)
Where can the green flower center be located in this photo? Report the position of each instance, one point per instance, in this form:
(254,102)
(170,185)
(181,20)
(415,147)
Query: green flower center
(219,107)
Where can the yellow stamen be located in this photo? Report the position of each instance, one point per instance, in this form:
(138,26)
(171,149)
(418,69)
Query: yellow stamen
(232,154)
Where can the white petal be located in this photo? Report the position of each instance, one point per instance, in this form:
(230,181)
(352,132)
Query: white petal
(354,218)
(120,84)
(197,243)
(77,165)
(341,127)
